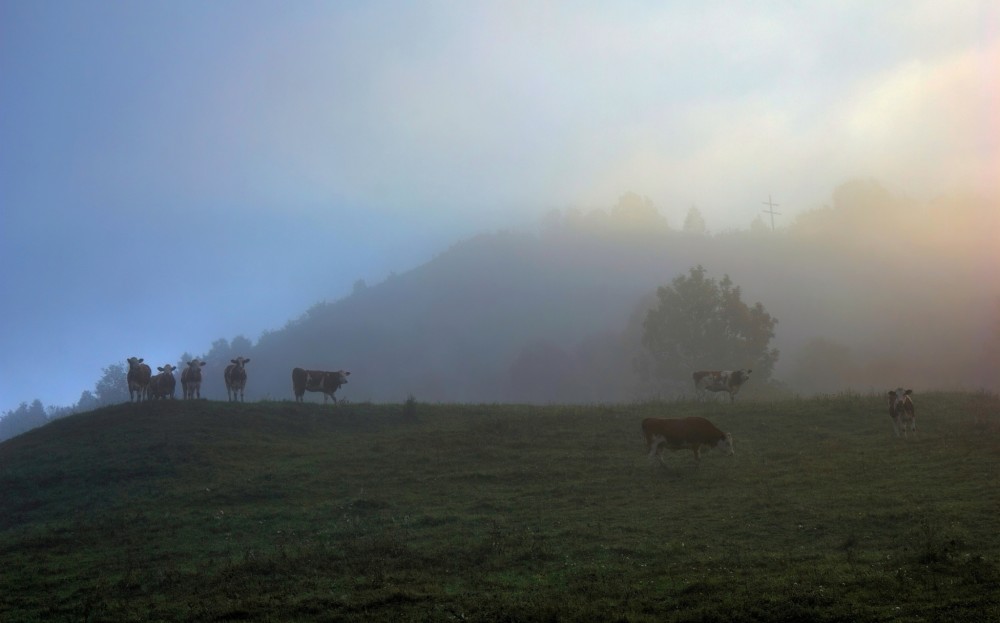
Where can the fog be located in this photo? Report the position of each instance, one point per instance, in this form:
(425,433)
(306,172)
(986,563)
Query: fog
(172,174)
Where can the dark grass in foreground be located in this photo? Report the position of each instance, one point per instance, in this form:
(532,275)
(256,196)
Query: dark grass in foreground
(207,511)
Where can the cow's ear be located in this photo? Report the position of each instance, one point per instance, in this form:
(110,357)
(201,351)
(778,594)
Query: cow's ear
(140,359)
(908,392)
(233,360)
(201,363)
(246,360)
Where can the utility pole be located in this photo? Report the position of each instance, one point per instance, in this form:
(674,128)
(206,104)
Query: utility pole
(770,210)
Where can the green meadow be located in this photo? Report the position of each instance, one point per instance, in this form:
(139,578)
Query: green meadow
(276,511)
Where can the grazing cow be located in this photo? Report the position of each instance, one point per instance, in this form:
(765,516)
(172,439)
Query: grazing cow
(690,433)
(236,378)
(163,384)
(138,379)
(317,381)
(901,411)
(721,381)
(191,379)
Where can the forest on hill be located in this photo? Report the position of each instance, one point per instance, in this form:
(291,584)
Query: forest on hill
(869,292)
(873,291)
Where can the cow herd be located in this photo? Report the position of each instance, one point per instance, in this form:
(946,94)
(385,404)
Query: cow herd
(690,433)
(143,385)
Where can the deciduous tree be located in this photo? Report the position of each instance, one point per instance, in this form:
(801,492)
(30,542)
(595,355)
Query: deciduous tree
(112,387)
(701,323)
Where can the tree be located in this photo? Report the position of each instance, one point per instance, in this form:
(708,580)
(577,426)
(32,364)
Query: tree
(88,401)
(23,419)
(240,346)
(633,212)
(694,222)
(700,323)
(112,387)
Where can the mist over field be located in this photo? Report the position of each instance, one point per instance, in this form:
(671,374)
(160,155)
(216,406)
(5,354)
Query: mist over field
(478,203)
(867,296)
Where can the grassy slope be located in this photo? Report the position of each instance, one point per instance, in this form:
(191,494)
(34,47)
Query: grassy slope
(278,511)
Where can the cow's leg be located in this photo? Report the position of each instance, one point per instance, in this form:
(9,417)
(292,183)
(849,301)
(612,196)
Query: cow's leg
(895,425)
(697,454)
(655,451)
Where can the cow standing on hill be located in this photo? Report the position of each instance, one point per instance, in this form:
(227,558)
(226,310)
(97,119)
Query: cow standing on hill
(191,379)
(164,384)
(721,381)
(690,433)
(317,381)
(902,412)
(138,379)
(236,378)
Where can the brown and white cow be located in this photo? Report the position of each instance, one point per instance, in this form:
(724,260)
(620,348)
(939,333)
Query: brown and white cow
(690,433)
(317,381)
(721,381)
(138,379)
(163,385)
(191,379)
(236,378)
(901,411)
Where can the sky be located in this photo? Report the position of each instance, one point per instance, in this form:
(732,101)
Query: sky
(174,172)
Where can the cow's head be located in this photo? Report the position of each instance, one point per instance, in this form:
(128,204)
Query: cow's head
(726,445)
(897,398)
(166,369)
(133,363)
(239,361)
(194,364)
(338,378)
(740,376)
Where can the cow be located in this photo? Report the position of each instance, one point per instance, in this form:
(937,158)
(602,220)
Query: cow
(721,381)
(138,379)
(163,384)
(236,378)
(901,411)
(191,379)
(317,381)
(690,433)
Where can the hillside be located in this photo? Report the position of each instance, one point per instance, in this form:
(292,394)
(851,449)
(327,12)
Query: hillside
(202,511)
(556,316)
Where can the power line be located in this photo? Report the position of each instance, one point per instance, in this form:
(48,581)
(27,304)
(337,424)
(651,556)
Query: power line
(770,210)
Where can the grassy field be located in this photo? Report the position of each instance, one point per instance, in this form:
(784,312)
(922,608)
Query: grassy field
(276,511)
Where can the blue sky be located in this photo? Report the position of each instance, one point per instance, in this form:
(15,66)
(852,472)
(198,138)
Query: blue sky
(175,172)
